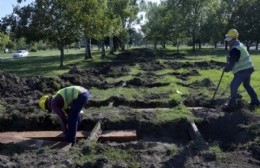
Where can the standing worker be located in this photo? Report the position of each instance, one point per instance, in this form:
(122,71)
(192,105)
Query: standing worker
(239,61)
(67,104)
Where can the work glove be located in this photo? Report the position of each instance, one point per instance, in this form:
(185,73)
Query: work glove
(227,68)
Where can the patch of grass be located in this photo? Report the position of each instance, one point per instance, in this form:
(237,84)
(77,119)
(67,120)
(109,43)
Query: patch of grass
(2,109)
(45,63)
(254,128)
(129,93)
(135,70)
(121,78)
(217,150)
(174,114)
(257,111)
(91,152)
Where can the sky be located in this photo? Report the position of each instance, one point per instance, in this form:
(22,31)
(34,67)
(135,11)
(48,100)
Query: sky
(6,6)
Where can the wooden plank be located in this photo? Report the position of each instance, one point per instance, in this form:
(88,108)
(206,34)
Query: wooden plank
(44,135)
(95,133)
(118,136)
(35,143)
(195,134)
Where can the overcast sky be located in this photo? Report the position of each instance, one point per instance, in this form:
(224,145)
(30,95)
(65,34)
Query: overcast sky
(6,6)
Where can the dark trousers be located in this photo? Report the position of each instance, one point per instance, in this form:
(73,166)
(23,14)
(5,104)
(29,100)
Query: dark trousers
(74,116)
(244,77)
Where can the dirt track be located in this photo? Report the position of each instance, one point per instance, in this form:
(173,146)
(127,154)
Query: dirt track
(159,145)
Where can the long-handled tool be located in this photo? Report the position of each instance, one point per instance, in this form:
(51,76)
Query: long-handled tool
(211,103)
(212,100)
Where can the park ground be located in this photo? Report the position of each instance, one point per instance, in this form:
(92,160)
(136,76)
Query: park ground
(155,92)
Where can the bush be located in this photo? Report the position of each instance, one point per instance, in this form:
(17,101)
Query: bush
(33,50)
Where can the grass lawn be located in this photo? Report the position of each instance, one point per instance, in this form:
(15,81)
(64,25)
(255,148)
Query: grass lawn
(46,63)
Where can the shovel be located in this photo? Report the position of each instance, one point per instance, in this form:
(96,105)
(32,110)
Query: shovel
(211,103)
(212,100)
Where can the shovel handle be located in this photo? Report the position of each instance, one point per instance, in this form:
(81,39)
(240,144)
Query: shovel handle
(217,88)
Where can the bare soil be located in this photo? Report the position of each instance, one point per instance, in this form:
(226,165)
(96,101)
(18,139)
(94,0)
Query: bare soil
(166,145)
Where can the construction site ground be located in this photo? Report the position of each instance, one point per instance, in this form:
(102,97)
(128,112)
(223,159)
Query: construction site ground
(119,131)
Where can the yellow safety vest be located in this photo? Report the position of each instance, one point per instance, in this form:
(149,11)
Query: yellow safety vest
(68,94)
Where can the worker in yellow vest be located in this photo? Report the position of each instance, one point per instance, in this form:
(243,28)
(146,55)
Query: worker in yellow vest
(67,103)
(239,61)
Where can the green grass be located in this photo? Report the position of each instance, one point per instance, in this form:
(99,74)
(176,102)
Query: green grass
(46,63)
(217,150)
(174,114)
(90,152)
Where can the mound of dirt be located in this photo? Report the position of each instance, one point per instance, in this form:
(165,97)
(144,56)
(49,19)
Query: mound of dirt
(146,80)
(206,82)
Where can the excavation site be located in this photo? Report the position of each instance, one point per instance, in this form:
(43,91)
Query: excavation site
(146,110)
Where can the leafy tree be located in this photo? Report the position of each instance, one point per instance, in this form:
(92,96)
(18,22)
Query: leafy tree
(247,22)
(4,39)
(153,27)
(213,29)
(126,11)
(87,12)
(176,24)
(56,22)
(44,20)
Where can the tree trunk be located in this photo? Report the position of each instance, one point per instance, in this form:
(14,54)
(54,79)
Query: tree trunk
(248,47)
(177,45)
(256,47)
(88,53)
(103,51)
(199,44)
(226,46)
(155,45)
(215,44)
(163,44)
(61,48)
(193,43)
(111,44)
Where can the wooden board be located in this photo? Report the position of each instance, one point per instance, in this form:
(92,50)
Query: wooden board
(118,136)
(7,137)
(55,139)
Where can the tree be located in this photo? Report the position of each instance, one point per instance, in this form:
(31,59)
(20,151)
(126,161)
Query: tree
(126,11)
(247,22)
(4,39)
(213,29)
(87,12)
(153,27)
(176,25)
(44,20)
(56,22)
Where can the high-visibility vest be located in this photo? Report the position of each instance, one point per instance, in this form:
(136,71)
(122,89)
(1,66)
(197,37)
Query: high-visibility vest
(244,61)
(68,94)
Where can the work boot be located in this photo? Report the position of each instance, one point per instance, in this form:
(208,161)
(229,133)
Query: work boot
(229,109)
(252,105)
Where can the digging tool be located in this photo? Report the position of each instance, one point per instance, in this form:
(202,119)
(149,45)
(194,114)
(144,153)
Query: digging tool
(211,102)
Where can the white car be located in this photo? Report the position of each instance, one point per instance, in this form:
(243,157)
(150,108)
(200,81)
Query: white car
(20,53)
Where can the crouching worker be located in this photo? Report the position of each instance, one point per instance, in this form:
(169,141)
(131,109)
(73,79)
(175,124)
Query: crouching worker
(239,61)
(67,104)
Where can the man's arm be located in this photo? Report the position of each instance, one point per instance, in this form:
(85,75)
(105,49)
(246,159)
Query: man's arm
(234,56)
(57,105)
